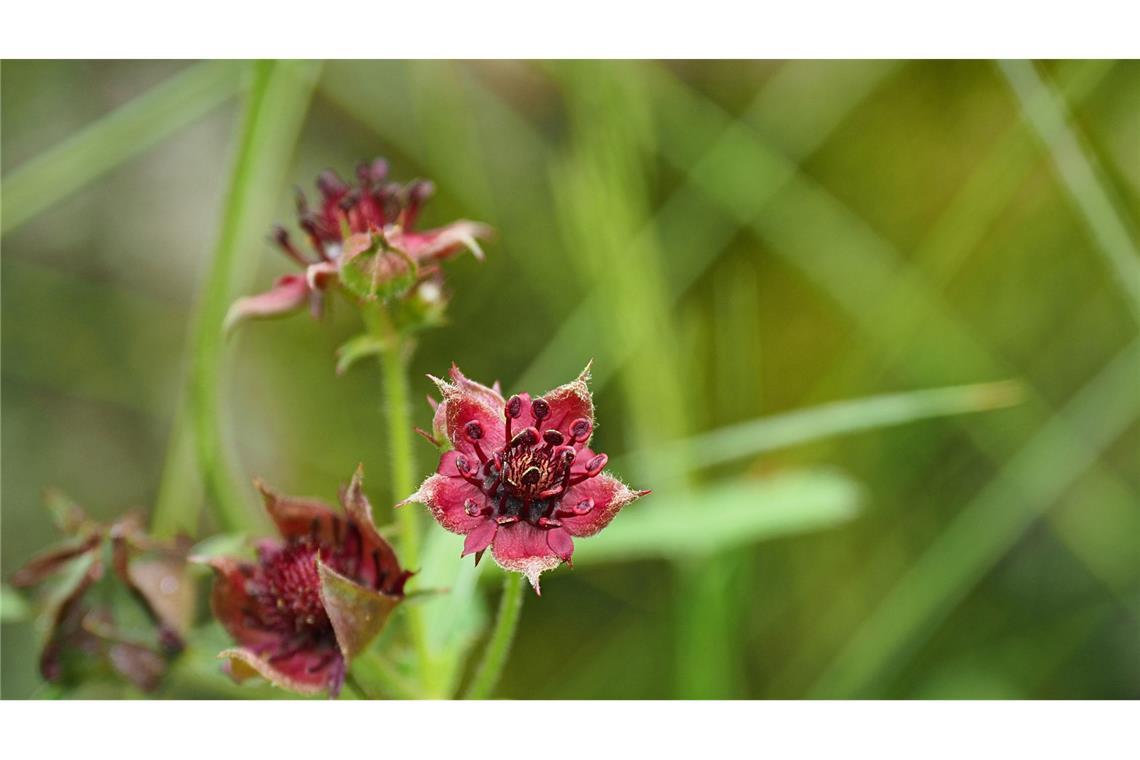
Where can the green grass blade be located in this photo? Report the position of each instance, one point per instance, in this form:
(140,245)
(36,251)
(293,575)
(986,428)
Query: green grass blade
(1077,169)
(987,528)
(277,102)
(840,418)
(118,137)
(731,515)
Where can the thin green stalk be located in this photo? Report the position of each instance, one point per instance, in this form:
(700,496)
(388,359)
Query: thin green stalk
(276,104)
(394,359)
(499,645)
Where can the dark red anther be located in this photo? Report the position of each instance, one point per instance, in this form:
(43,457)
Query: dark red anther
(596,465)
(580,429)
(584,507)
(514,407)
(330,184)
(540,408)
(281,237)
(527,437)
(471,508)
(473,430)
(463,465)
(553,437)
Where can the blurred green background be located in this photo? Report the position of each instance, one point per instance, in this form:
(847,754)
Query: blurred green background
(728,241)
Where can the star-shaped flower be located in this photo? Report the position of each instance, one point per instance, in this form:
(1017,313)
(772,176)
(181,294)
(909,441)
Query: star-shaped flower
(521,477)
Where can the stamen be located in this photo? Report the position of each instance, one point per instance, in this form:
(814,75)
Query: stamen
(530,476)
(596,465)
(281,237)
(580,429)
(474,431)
(540,408)
(553,438)
(528,437)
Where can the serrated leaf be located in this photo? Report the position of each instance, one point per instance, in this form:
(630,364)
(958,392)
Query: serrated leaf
(355,349)
(720,517)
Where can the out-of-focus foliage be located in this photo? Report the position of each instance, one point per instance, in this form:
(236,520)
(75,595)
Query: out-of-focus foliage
(728,241)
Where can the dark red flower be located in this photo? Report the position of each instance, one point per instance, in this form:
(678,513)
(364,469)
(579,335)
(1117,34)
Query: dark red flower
(83,634)
(363,237)
(520,478)
(313,599)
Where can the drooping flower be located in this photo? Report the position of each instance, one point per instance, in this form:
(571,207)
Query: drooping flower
(87,632)
(314,598)
(520,478)
(363,238)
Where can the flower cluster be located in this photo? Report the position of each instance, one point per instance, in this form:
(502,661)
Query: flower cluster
(135,623)
(314,598)
(520,477)
(363,238)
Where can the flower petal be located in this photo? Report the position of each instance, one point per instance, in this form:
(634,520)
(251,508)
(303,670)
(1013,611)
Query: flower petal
(446,498)
(480,537)
(288,294)
(493,396)
(559,541)
(234,607)
(379,567)
(522,548)
(301,672)
(357,613)
(570,402)
(43,565)
(609,495)
(300,517)
(441,242)
(462,405)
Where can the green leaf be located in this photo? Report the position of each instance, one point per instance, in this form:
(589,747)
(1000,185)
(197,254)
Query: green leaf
(720,517)
(13,608)
(220,545)
(355,349)
(454,620)
(838,418)
(372,270)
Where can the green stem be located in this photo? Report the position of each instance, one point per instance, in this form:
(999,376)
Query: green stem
(394,360)
(499,645)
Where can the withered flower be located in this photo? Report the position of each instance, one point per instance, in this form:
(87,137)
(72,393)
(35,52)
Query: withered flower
(313,599)
(521,477)
(84,631)
(363,238)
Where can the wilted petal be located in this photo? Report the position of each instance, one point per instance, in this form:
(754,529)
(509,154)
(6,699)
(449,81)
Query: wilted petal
(357,613)
(447,498)
(522,548)
(288,294)
(141,666)
(232,604)
(442,242)
(609,495)
(301,672)
(379,566)
(301,517)
(64,612)
(51,561)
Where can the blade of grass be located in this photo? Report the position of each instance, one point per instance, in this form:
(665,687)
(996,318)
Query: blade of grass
(839,418)
(698,228)
(987,528)
(116,138)
(275,109)
(1077,169)
(732,515)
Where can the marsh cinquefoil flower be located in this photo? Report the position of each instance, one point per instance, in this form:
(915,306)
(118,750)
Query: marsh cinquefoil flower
(92,615)
(521,477)
(363,238)
(313,599)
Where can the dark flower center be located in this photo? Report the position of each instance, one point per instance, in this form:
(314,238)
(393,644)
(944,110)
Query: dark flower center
(528,478)
(288,592)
